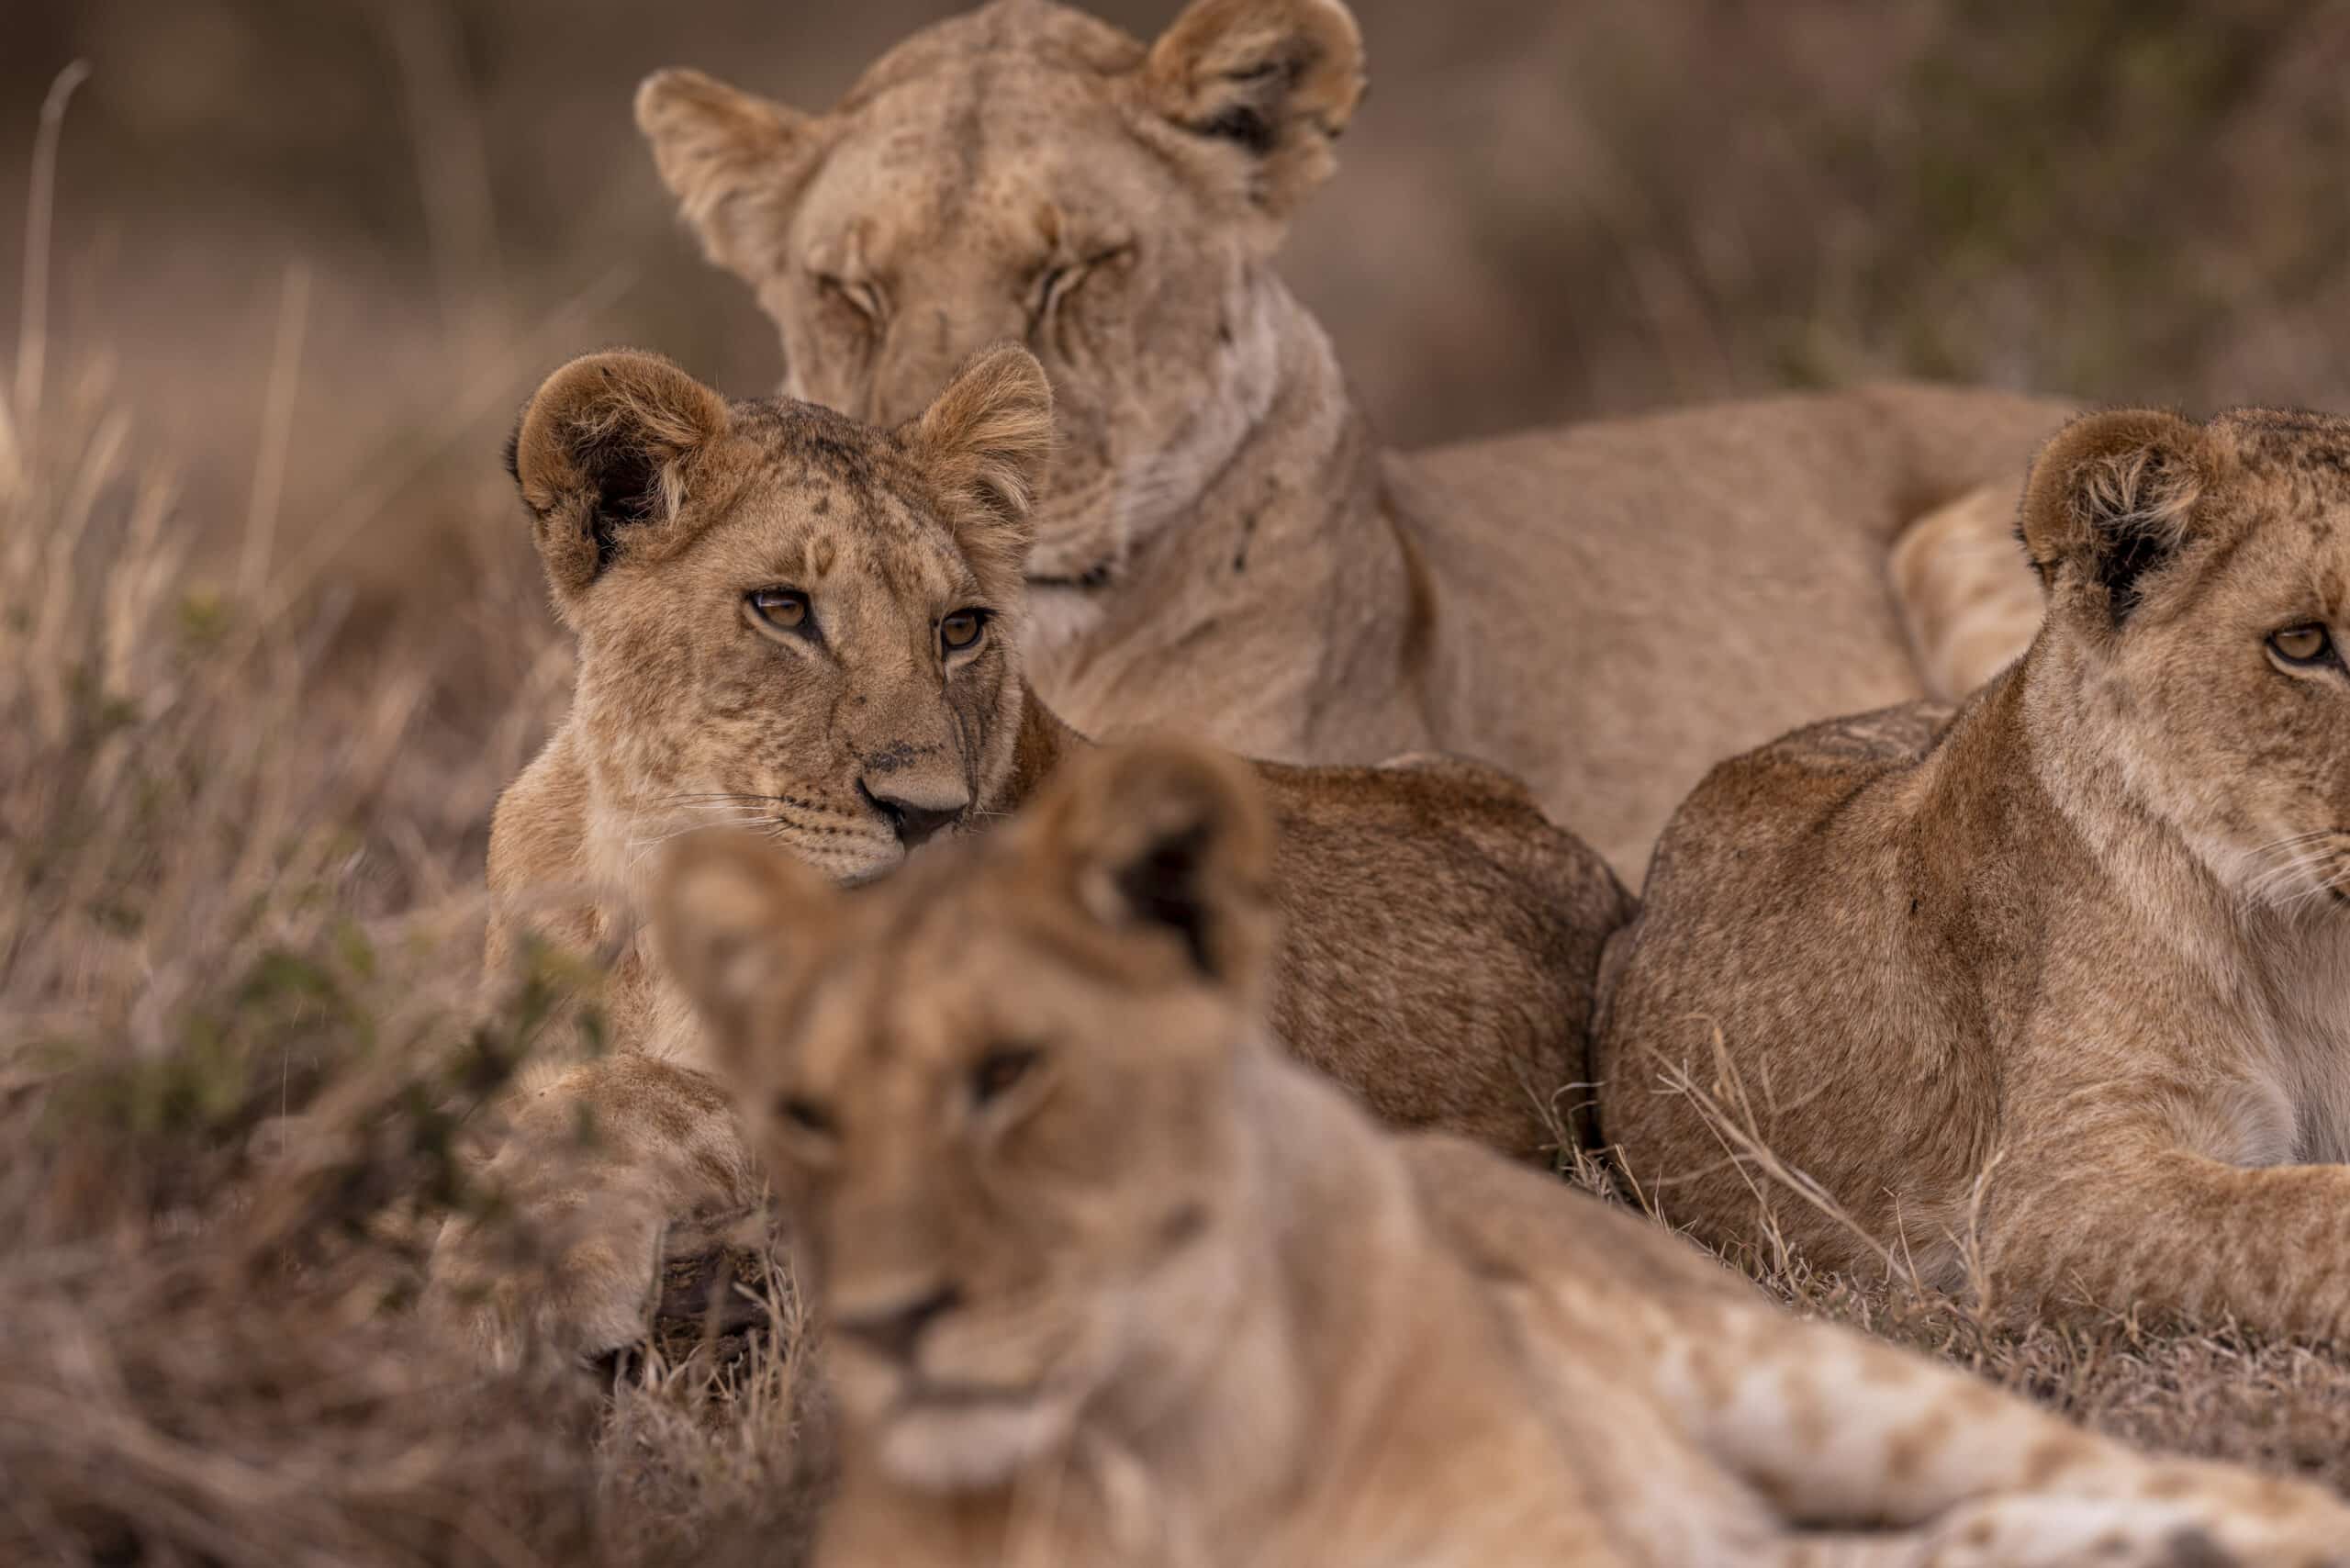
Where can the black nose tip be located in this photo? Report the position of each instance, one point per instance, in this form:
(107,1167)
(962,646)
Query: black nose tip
(912,824)
(895,1330)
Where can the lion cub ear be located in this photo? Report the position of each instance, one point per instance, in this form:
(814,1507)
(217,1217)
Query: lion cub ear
(608,454)
(734,161)
(2113,497)
(1169,837)
(1276,79)
(986,443)
(732,916)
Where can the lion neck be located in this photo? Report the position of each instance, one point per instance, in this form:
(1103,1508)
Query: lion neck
(2039,771)
(2273,978)
(1284,598)
(1043,740)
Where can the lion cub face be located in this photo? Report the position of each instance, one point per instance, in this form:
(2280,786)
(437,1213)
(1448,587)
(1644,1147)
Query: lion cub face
(1027,172)
(786,620)
(2199,583)
(996,1092)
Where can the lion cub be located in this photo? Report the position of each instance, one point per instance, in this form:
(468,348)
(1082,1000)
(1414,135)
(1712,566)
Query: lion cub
(791,621)
(2056,995)
(1108,1281)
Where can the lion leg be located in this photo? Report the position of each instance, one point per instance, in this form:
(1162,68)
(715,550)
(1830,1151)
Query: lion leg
(2126,1220)
(1842,1432)
(2066,1532)
(2117,1532)
(596,1168)
(1966,597)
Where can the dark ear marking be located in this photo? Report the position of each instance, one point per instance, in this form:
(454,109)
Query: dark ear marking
(1165,839)
(627,490)
(2139,536)
(1278,79)
(1161,885)
(1249,119)
(2113,495)
(606,456)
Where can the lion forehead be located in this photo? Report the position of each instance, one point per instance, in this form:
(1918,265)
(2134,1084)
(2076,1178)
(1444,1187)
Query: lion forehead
(1008,179)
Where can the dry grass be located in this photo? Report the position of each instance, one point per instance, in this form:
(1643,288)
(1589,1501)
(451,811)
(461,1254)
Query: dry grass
(242,1040)
(240,1047)
(2213,1391)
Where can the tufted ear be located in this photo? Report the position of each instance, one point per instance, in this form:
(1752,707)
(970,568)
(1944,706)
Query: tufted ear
(1276,80)
(734,915)
(2113,497)
(985,442)
(1170,839)
(606,453)
(736,162)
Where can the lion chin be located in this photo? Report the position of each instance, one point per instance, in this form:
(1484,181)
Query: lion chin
(945,1444)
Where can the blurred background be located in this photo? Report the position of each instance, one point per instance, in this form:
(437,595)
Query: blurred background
(272,638)
(1545,211)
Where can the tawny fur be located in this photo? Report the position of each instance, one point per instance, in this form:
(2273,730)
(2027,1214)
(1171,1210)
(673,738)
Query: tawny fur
(1443,941)
(1954,580)
(1603,610)
(1105,1280)
(2053,998)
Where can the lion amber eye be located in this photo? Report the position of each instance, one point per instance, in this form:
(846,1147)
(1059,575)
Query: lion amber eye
(780,608)
(804,1115)
(960,630)
(999,1070)
(2302,644)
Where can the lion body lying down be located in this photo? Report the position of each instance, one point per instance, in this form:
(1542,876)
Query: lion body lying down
(1105,1279)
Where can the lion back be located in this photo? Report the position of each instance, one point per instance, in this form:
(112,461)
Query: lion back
(1488,920)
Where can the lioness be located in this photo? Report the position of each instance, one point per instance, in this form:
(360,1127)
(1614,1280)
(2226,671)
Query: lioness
(1108,1282)
(790,620)
(1604,610)
(2065,984)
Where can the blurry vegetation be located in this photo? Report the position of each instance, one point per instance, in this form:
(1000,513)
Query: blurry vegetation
(1543,210)
(243,1041)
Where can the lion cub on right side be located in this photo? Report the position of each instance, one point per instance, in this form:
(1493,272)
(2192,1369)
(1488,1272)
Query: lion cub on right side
(2068,979)
(1108,1281)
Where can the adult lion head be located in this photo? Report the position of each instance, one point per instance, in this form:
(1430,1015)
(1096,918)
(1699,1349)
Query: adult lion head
(1027,172)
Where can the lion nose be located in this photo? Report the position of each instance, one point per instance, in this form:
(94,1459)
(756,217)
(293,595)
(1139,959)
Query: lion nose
(913,821)
(894,1330)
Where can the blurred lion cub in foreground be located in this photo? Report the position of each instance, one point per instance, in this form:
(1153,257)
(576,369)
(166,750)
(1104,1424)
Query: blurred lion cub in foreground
(1108,1280)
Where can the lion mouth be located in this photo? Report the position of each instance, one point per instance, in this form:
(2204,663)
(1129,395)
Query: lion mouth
(866,876)
(930,1393)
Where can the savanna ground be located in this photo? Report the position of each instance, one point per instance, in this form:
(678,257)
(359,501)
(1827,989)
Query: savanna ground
(271,639)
